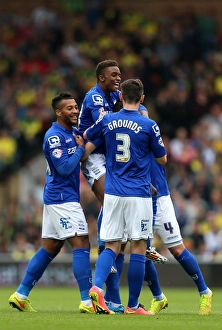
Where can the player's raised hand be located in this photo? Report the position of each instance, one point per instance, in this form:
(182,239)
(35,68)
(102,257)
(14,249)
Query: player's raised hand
(118,106)
(102,112)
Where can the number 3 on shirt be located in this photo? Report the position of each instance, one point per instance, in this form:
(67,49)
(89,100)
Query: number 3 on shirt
(124,148)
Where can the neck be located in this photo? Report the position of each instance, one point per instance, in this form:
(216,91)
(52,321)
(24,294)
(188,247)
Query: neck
(134,106)
(68,127)
(107,93)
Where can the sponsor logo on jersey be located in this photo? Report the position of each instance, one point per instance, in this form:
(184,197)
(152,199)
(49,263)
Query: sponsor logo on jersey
(54,141)
(97,99)
(160,141)
(71,150)
(69,140)
(57,153)
(156,129)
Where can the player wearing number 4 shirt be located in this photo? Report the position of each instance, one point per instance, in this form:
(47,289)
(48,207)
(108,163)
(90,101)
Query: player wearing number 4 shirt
(166,225)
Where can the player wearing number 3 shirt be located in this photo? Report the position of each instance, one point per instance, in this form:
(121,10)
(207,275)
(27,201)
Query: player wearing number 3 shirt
(130,141)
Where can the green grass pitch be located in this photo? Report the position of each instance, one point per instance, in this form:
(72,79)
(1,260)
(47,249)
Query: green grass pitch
(57,309)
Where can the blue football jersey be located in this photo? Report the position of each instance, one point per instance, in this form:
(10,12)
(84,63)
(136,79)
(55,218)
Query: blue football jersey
(158,178)
(58,145)
(95,101)
(130,140)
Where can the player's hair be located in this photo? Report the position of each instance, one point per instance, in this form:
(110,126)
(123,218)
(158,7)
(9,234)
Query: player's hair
(101,66)
(61,96)
(117,106)
(132,90)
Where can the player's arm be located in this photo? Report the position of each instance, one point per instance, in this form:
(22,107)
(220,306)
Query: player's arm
(95,131)
(157,145)
(64,164)
(159,160)
(117,106)
(68,167)
(96,106)
(162,160)
(85,134)
(90,146)
(143,111)
(154,190)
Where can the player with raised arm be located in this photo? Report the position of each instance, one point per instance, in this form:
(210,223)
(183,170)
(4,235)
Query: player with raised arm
(130,138)
(100,100)
(63,217)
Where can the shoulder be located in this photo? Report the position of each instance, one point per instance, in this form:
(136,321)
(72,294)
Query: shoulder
(150,122)
(155,127)
(115,95)
(142,107)
(54,137)
(151,125)
(94,97)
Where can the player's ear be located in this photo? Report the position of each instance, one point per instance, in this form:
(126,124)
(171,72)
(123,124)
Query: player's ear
(58,112)
(120,96)
(142,98)
(101,77)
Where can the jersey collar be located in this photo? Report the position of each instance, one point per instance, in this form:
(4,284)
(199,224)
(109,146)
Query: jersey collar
(99,90)
(55,124)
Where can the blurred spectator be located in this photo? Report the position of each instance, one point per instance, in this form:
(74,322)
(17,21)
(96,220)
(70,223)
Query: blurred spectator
(166,50)
(198,239)
(31,128)
(8,150)
(180,211)
(181,150)
(20,249)
(213,237)
(215,200)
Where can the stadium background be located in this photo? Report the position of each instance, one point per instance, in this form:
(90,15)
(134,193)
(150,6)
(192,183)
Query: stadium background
(175,48)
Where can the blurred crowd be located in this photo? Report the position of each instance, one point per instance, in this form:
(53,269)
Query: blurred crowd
(179,60)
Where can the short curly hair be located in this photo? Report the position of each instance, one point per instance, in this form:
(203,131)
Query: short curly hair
(101,66)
